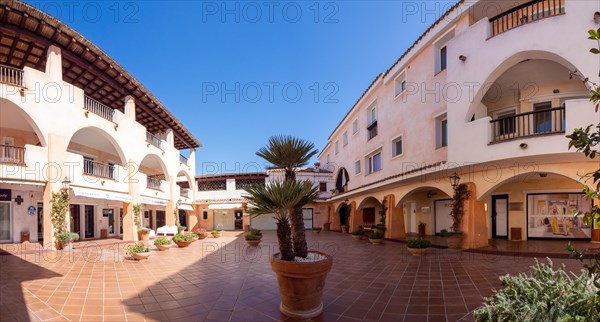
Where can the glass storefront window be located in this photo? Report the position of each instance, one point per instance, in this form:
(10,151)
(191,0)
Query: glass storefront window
(551,215)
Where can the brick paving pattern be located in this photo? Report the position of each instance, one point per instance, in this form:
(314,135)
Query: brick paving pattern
(225,280)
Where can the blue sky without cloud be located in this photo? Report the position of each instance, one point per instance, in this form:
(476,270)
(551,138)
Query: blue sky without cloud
(236,72)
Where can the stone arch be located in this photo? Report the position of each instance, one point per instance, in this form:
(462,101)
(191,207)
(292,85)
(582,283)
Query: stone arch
(98,138)
(402,197)
(153,159)
(11,112)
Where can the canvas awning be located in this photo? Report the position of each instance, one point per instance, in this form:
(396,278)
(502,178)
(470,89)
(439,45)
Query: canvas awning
(153,201)
(101,194)
(186,207)
(225,206)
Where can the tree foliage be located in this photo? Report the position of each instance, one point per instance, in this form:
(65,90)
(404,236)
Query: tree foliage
(58,212)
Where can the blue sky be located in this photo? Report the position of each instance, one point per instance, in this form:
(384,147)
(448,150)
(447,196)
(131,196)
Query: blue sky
(235,73)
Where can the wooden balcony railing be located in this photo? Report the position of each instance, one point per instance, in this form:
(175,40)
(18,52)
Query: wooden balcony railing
(154,140)
(529,124)
(98,108)
(12,76)
(155,184)
(523,14)
(12,154)
(98,169)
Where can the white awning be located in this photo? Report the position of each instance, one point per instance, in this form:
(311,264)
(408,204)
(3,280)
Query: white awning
(153,201)
(101,194)
(186,207)
(24,182)
(225,206)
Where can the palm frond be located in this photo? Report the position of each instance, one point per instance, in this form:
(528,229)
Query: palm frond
(287,152)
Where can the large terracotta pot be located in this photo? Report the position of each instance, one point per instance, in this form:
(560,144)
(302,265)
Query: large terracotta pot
(327,226)
(301,285)
(140,256)
(454,241)
(596,235)
(253,242)
(345,229)
(143,236)
(417,251)
(183,244)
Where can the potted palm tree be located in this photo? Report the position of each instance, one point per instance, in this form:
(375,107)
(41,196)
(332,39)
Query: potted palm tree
(300,273)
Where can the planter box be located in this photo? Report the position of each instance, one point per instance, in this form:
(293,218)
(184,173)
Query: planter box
(183,244)
(418,251)
(376,241)
(140,256)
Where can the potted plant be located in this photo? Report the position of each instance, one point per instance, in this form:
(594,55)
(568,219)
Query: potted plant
(357,234)
(163,243)
(216,233)
(327,225)
(183,240)
(252,240)
(138,251)
(181,229)
(300,273)
(316,230)
(422,227)
(200,232)
(256,232)
(376,238)
(418,247)
(144,233)
(66,239)
(58,212)
(454,235)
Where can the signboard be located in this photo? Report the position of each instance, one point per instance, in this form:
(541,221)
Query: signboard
(106,212)
(5,195)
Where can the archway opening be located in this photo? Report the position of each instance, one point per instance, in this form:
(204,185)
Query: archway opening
(18,130)
(426,209)
(101,153)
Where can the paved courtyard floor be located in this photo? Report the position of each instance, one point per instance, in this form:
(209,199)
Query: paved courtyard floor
(225,280)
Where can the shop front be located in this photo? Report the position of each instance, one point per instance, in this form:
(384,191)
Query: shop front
(21,212)
(551,215)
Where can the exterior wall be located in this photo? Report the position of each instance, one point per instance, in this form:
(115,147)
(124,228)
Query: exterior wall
(48,115)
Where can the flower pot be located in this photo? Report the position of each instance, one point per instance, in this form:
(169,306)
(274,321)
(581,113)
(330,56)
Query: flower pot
(163,247)
(596,235)
(454,241)
(376,241)
(253,242)
(316,231)
(417,251)
(357,237)
(58,244)
(345,229)
(216,235)
(180,231)
(327,226)
(421,230)
(201,236)
(143,236)
(140,256)
(301,285)
(183,244)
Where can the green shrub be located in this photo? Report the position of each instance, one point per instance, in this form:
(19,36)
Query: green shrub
(162,241)
(215,232)
(255,232)
(376,235)
(183,238)
(543,294)
(418,243)
(252,237)
(137,248)
(358,232)
(445,233)
(67,236)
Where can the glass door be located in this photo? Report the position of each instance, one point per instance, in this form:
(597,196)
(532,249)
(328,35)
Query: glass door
(40,218)
(89,221)
(111,222)
(120,221)
(5,222)
(75,219)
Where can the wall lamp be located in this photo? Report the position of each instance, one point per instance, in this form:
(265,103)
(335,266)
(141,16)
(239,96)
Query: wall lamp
(66,184)
(454,180)
(462,58)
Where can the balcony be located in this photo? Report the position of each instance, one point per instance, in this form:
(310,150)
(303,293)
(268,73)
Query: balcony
(523,14)
(183,159)
(186,193)
(154,184)
(12,155)
(154,140)
(98,108)
(11,76)
(98,169)
(544,122)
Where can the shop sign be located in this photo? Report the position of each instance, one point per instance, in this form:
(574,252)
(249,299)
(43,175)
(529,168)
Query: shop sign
(5,195)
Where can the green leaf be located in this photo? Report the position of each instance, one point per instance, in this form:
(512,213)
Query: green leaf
(595,51)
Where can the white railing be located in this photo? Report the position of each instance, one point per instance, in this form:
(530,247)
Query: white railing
(186,193)
(12,154)
(12,76)
(98,169)
(154,184)
(98,108)
(154,140)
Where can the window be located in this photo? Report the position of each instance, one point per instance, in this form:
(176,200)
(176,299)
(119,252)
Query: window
(355,126)
(543,117)
(397,147)
(505,122)
(357,167)
(204,214)
(373,163)
(443,58)
(400,84)
(322,186)
(441,129)
(441,51)
(337,147)
(345,138)
(372,121)
(328,158)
